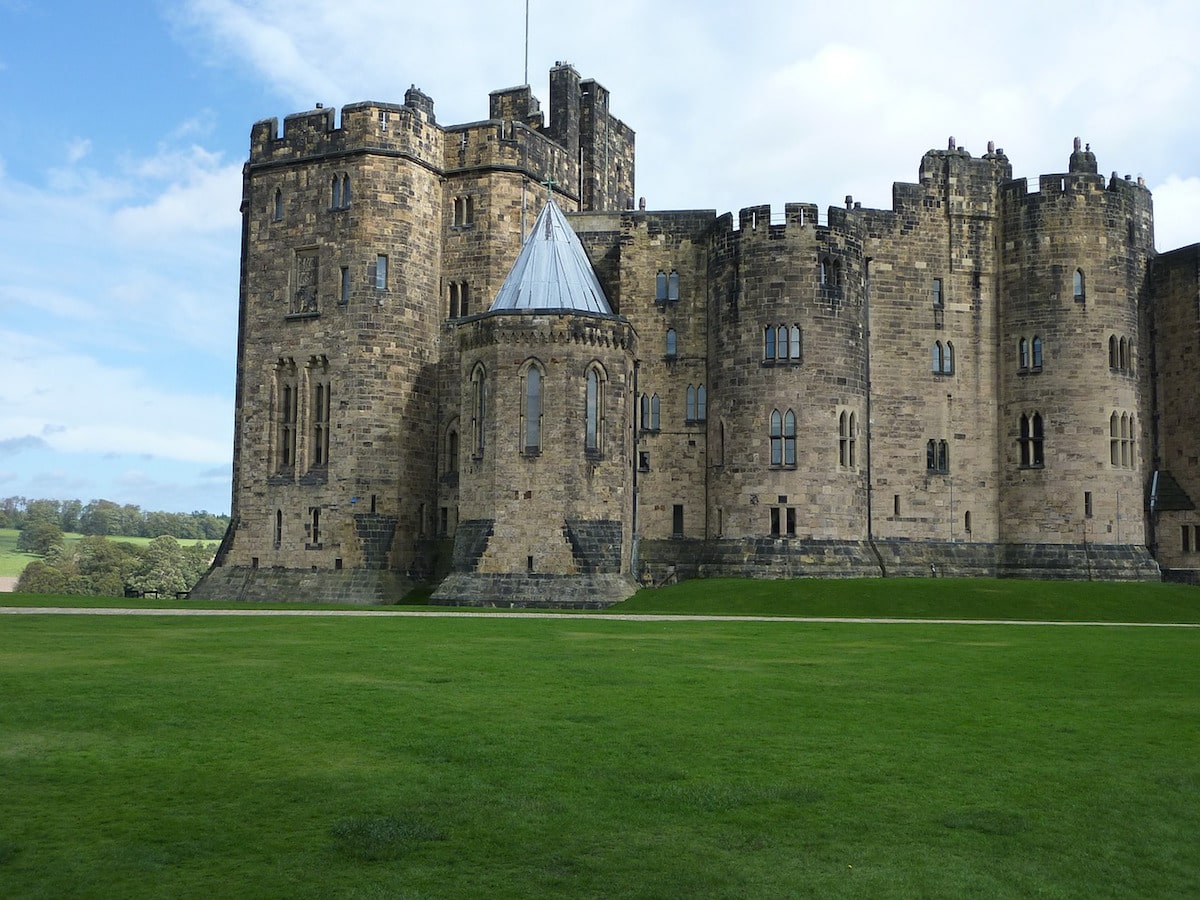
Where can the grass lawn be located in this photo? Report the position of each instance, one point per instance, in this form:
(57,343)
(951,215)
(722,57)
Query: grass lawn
(923,598)
(583,756)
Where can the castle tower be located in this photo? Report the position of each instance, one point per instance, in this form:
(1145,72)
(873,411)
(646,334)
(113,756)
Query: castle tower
(788,407)
(336,343)
(364,243)
(545,476)
(1074,353)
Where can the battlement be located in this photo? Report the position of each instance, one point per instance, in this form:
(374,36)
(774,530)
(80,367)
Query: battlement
(516,104)
(410,128)
(508,143)
(956,160)
(1082,177)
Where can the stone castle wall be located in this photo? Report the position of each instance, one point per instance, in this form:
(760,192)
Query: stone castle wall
(835,393)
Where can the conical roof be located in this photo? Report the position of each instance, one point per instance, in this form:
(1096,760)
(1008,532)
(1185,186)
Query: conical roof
(552,271)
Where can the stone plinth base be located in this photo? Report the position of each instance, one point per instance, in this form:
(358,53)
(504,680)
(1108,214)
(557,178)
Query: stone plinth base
(361,587)
(662,562)
(533,591)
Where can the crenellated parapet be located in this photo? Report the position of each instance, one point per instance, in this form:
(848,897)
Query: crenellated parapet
(407,129)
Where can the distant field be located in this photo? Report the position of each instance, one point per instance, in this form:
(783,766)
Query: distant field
(582,756)
(13,562)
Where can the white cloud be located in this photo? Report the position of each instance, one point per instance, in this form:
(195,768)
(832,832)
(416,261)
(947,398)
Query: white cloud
(203,198)
(78,149)
(78,404)
(1176,206)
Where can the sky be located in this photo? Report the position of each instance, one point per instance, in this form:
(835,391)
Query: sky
(128,124)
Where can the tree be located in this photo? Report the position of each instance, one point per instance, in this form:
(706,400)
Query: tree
(99,517)
(43,511)
(71,510)
(40,578)
(163,568)
(38,537)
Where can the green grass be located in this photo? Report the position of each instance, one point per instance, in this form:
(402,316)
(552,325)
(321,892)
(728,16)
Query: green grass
(921,598)
(583,756)
(952,598)
(13,561)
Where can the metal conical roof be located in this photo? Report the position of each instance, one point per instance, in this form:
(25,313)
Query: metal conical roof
(552,271)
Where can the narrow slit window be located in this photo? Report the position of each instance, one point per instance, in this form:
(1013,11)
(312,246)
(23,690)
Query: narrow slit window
(533,411)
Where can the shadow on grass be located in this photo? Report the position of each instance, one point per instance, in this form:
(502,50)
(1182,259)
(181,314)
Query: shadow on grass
(378,838)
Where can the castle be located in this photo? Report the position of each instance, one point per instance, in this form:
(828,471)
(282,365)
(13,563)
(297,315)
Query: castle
(990,378)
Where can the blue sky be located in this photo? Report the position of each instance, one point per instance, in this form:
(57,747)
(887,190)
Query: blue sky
(127,126)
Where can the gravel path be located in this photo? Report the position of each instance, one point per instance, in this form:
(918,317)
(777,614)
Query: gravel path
(567,617)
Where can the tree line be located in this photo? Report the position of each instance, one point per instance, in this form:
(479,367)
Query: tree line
(99,567)
(106,518)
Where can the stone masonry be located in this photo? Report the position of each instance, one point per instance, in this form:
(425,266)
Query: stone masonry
(992,377)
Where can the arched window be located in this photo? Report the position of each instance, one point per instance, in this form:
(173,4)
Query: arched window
(967,521)
(645,404)
(287,418)
(654,411)
(673,285)
(823,271)
(660,286)
(943,358)
(335,193)
(531,410)
(690,407)
(672,343)
(835,273)
(769,343)
(1077,284)
(319,415)
(278,528)
(1114,359)
(478,408)
(452,449)
(776,435)
(1036,362)
(1023,355)
(789,438)
(1031,441)
(701,404)
(1123,354)
(1114,439)
(594,411)
(794,344)
(345,192)
(781,347)
(278,205)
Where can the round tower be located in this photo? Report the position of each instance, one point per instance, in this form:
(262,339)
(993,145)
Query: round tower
(1072,415)
(545,489)
(787,368)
